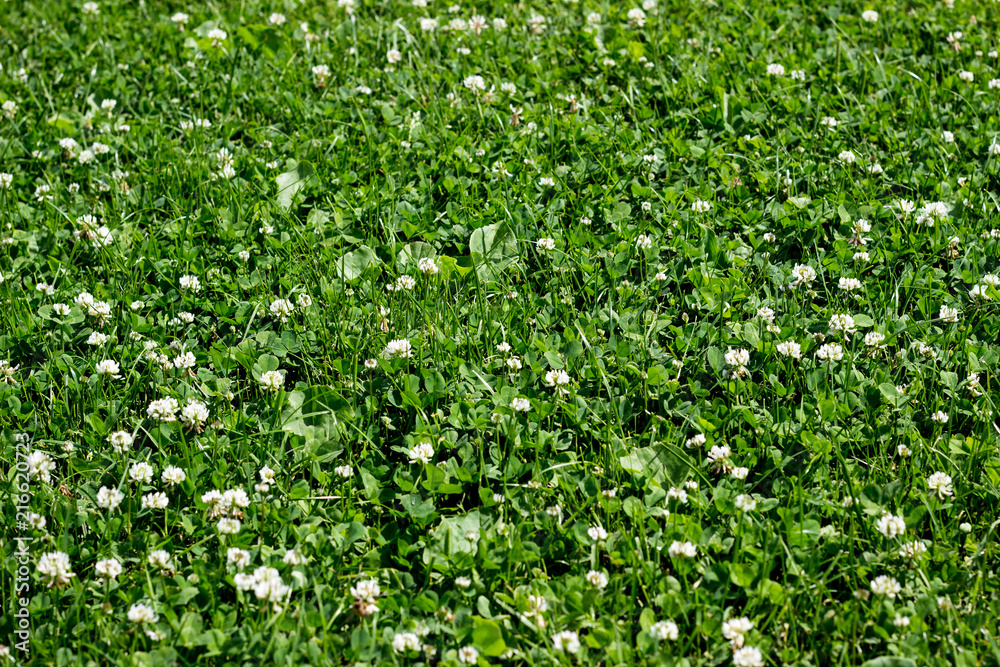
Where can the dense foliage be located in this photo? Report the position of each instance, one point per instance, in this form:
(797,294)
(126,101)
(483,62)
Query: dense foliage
(391,332)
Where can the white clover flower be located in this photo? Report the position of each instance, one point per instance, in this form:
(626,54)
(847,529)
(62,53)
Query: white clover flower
(546,244)
(790,349)
(428,266)
(109,499)
(142,613)
(597,579)
(394,56)
(849,284)
(185,360)
(190,283)
(272,380)
(966,76)
(884,585)
(737,360)
(155,500)
(108,568)
(874,339)
(141,472)
(696,440)
(643,242)
(913,550)
(159,559)
(398,349)
(108,367)
(422,453)
(775,69)
(665,630)
(84,300)
(557,378)
(701,206)
(980,292)
(941,484)
(405,641)
(366,590)
(121,441)
(227,526)
(748,656)
(405,283)
(636,17)
(682,550)
(735,628)
(322,73)
(829,121)
(474,83)
(597,533)
(890,525)
(948,314)
(69,145)
(803,275)
(566,641)
(869,16)
(847,157)
(194,414)
(40,466)
(680,495)
(172,476)
(842,323)
(830,352)
(293,557)
(163,409)
(56,567)
(238,558)
(940,417)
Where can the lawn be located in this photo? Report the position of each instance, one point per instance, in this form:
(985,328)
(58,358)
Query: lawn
(554,333)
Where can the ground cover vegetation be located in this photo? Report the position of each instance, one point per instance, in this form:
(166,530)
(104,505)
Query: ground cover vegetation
(401,333)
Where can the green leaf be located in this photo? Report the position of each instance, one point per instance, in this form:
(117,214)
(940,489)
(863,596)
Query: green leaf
(742,574)
(267,362)
(351,265)
(889,661)
(414,252)
(299,490)
(661,463)
(892,395)
(290,182)
(949,379)
(620,213)
(716,359)
(488,637)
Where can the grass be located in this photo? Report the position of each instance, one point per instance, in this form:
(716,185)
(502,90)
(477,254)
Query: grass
(335,336)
